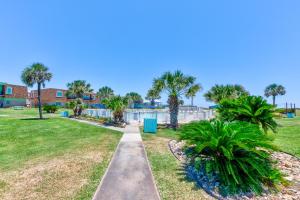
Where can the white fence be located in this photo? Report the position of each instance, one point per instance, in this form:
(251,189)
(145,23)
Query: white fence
(162,116)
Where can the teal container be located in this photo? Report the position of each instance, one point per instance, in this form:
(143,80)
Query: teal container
(150,125)
(64,114)
(290,115)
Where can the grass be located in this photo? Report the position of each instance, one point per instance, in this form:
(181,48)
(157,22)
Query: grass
(166,169)
(288,136)
(51,159)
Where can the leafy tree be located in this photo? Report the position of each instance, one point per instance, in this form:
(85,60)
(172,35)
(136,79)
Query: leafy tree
(219,92)
(274,90)
(134,97)
(38,74)
(236,152)
(176,85)
(105,93)
(192,92)
(152,95)
(78,89)
(252,109)
(117,104)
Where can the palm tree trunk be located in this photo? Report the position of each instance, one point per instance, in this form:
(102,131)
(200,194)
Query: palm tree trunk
(174,108)
(39,101)
(274,100)
(192,101)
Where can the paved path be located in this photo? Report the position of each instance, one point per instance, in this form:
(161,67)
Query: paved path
(128,176)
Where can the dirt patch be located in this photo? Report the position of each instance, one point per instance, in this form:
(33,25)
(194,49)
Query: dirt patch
(157,144)
(58,178)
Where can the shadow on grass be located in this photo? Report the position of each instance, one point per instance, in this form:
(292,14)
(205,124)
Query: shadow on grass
(34,119)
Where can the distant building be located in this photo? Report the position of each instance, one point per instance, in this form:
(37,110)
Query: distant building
(54,96)
(12,95)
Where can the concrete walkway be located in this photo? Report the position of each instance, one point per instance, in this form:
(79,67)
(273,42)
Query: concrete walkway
(128,176)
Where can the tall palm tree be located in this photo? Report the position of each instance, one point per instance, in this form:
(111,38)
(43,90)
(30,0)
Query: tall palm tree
(134,97)
(105,93)
(176,85)
(274,90)
(192,92)
(38,74)
(220,92)
(77,89)
(152,95)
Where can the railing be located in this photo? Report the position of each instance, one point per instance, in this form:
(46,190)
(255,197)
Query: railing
(162,116)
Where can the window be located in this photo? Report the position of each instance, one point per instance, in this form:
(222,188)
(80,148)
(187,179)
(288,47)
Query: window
(9,90)
(59,94)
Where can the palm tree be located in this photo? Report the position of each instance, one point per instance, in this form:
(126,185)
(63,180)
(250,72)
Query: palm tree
(152,95)
(105,93)
(38,74)
(77,89)
(117,104)
(175,85)
(192,92)
(274,90)
(219,92)
(134,98)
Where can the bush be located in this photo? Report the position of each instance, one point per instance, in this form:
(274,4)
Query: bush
(50,108)
(252,109)
(237,152)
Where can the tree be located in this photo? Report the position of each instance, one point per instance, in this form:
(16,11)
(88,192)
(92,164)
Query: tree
(252,109)
(117,104)
(77,89)
(192,92)
(38,74)
(176,85)
(219,92)
(134,97)
(152,95)
(105,93)
(274,90)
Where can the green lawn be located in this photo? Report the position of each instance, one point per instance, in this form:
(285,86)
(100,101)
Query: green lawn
(288,136)
(167,170)
(54,158)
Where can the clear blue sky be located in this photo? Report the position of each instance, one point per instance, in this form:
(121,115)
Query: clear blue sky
(125,44)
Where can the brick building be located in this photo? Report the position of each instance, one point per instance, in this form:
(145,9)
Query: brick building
(12,95)
(53,96)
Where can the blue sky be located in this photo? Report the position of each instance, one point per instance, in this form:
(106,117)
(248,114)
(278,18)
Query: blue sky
(125,44)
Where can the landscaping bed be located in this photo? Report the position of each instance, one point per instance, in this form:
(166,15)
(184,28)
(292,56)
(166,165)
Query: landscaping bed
(288,165)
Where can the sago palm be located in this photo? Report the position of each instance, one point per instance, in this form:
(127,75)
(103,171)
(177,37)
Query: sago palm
(252,109)
(176,85)
(237,152)
(38,74)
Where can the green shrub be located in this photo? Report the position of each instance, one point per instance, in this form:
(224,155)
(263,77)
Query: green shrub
(238,152)
(252,109)
(50,108)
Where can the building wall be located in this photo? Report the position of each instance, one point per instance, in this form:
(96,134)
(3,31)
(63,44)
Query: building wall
(48,96)
(17,98)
